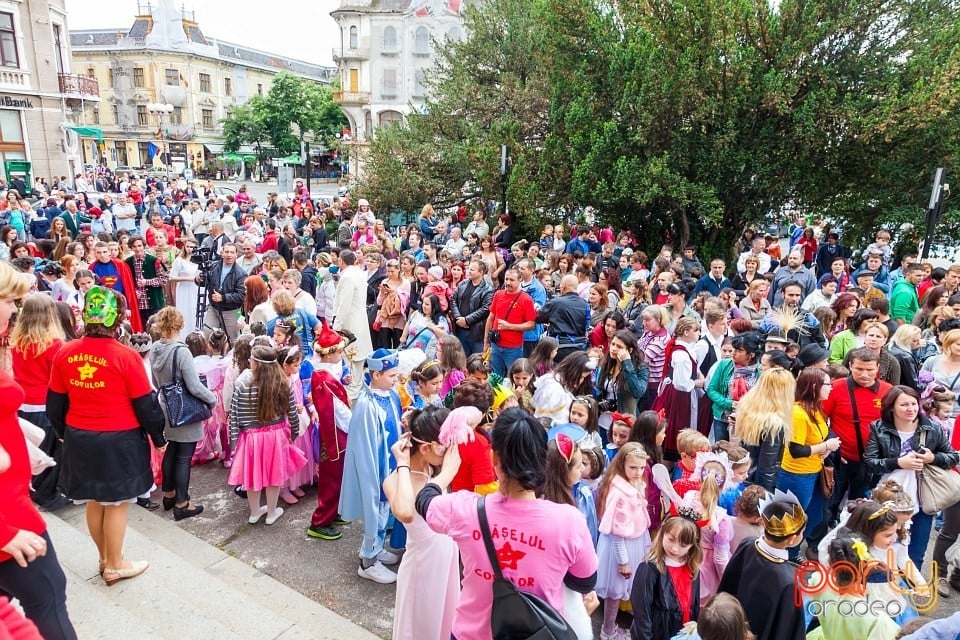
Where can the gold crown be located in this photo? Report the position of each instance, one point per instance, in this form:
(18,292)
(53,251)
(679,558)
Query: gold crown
(791,522)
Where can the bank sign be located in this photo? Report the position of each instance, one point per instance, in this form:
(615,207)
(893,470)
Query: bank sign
(15,103)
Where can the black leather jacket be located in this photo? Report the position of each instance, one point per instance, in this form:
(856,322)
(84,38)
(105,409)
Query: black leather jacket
(474,307)
(883,446)
(233,289)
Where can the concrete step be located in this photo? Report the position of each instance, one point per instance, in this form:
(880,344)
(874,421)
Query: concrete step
(191,590)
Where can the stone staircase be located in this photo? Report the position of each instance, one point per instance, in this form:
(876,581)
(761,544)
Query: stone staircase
(191,590)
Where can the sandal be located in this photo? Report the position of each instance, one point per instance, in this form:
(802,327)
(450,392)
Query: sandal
(113,576)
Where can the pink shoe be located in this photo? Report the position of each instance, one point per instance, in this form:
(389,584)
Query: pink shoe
(288,497)
(227,464)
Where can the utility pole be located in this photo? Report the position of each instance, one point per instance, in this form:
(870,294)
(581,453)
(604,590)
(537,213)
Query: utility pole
(935,208)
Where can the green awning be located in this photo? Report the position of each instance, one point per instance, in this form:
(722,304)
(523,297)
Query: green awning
(235,157)
(293,158)
(89,132)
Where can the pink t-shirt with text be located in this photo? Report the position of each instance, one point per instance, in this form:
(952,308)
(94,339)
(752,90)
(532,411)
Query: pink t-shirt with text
(537,542)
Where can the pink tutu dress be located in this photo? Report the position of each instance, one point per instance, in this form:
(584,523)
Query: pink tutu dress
(304,442)
(716,552)
(265,457)
(215,427)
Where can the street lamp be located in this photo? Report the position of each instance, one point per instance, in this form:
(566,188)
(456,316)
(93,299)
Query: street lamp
(160,109)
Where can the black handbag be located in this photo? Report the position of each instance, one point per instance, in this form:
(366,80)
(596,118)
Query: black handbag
(182,406)
(517,615)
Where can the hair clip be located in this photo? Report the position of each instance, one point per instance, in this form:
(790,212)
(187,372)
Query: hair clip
(565,447)
(860,548)
(884,508)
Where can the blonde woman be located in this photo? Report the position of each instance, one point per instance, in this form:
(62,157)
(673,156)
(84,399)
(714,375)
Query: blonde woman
(902,345)
(763,423)
(755,305)
(29,569)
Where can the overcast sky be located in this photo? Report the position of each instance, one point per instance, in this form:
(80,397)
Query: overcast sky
(301,29)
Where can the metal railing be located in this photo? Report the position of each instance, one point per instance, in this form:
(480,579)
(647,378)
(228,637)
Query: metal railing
(75,83)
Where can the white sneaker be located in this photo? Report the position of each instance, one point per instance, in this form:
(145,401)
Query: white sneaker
(255,517)
(377,573)
(273,517)
(388,557)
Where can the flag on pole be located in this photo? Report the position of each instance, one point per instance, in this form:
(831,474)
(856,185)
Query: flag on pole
(152,151)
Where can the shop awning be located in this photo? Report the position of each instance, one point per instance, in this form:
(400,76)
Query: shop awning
(89,132)
(213,148)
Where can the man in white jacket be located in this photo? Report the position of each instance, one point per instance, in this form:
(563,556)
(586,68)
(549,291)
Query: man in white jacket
(350,313)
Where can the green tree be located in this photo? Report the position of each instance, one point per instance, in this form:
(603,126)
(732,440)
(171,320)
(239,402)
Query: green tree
(246,124)
(297,110)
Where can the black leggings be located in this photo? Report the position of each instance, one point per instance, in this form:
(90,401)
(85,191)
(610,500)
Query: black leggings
(176,468)
(946,537)
(41,589)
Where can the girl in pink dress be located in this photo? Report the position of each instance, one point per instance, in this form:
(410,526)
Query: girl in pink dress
(294,366)
(428,580)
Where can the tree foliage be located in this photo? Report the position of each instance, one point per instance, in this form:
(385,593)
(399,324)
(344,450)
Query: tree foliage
(689,119)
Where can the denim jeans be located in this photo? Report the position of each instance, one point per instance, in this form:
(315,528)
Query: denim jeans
(806,486)
(469,347)
(920,528)
(721,430)
(501,358)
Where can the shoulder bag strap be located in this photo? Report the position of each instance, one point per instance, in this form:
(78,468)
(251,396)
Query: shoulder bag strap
(487,540)
(510,308)
(856,418)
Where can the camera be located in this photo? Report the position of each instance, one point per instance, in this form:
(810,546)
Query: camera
(608,405)
(203,256)
(493,336)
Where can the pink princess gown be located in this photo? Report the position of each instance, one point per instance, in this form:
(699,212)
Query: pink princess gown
(304,442)
(716,553)
(428,584)
(208,449)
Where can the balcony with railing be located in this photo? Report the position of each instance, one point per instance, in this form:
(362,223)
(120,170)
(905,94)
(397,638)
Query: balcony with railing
(75,85)
(351,97)
(352,53)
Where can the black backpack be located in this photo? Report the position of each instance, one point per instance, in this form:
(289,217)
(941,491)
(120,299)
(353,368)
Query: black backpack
(517,615)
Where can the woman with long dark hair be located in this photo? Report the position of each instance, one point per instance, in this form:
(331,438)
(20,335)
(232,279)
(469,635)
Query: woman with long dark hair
(425,327)
(29,570)
(555,391)
(519,445)
(808,444)
(904,438)
(622,381)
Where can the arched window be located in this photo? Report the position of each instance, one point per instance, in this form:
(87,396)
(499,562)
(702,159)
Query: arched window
(390,39)
(454,34)
(390,117)
(421,40)
(354,38)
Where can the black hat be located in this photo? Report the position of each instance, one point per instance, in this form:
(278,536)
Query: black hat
(776,334)
(812,354)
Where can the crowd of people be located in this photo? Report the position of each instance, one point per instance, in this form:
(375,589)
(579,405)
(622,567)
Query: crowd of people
(686,449)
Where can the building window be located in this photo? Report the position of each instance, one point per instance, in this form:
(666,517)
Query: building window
(227,87)
(205,82)
(176,117)
(207,118)
(389,82)
(419,82)
(390,39)
(390,117)
(354,38)
(96,115)
(57,47)
(172,77)
(144,149)
(142,115)
(259,89)
(421,40)
(138,80)
(8,42)
(115,112)
(111,80)
(454,34)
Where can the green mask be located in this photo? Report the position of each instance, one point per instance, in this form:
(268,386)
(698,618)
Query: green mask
(101,307)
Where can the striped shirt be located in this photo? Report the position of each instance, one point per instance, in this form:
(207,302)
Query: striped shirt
(243,410)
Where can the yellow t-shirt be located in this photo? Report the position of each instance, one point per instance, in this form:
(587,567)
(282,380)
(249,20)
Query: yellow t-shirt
(805,432)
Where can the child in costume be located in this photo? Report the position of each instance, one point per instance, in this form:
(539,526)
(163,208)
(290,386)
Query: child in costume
(740,463)
(624,531)
(666,590)
(619,434)
(428,580)
(712,470)
(374,428)
(849,549)
(747,522)
(585,413)
(296,367)
(333,419)
(761,576)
